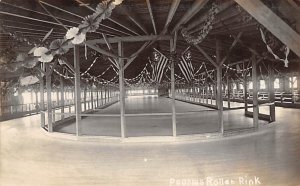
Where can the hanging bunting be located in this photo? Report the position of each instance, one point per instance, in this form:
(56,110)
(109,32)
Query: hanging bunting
(286,51)
(204,29)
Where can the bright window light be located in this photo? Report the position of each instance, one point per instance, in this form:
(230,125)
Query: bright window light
(276,83)
(262,84)
(250,86)
(293,81)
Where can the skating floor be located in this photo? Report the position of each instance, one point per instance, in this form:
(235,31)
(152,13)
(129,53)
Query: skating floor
(29,157)
(144,118)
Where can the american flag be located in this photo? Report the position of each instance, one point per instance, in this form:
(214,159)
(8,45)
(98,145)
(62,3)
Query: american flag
(158,66)
(186,66)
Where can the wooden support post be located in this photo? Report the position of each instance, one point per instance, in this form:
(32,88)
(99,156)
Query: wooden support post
(49,101)
(228,91)
(122,91)
(211,90)
(42,104)
(255,92)
(271,92)
(108,94)
(62,97)
(77,90)
(97,96)
(92,96)
(36,99)
(245,92)
(57,98)
(105,95)
(1,100)
(206,92)
(173,49)
(101,91)
(219,97)
(84,98)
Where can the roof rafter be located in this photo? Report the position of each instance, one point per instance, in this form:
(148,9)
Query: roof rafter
(196,7)
(151,16)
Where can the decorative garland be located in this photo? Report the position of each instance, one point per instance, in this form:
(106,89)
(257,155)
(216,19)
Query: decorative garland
(74,36)
(286,50)
(205,29)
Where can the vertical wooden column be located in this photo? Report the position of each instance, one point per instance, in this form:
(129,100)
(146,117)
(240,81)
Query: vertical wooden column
(211,91)
(271,92)
(97,96)
(194,93)
(42,101)
(77,90)
(62,97)
(108,94)
(200,93)
(206,92)
(298,83)
(49,100)
(92,96)
(122,91)
(36,99)
(84,98)
(173,49)
(238,89)
(105,95)
(57,98)
(255,92)
(228,91)
(101,91)
(245,92)
(1,100)
(219,97)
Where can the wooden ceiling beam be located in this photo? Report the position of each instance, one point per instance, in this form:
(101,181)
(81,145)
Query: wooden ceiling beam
(30,25)
(230,17)
(206,55)
(196,7)
(172,11)
(134,19)
(231,47)
(118,22)
(33,30)
(81,17)
(37,12)
(273,23)
(129,39)
(199,21)
(151,16)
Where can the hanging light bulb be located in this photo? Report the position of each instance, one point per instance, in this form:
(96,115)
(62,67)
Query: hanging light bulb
(117,2)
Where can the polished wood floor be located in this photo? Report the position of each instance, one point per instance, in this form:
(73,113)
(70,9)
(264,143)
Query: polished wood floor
(191,119)
(28,157)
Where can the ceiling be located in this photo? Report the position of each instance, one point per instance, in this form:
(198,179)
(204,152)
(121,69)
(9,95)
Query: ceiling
(31,19)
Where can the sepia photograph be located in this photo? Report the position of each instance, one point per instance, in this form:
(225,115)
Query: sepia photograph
(149,92)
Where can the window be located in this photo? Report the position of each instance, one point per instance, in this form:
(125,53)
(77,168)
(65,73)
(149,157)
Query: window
(276,83)
(250,86)
(262,84)
(293,82)
(241,86)
(27,97)
(234,86)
